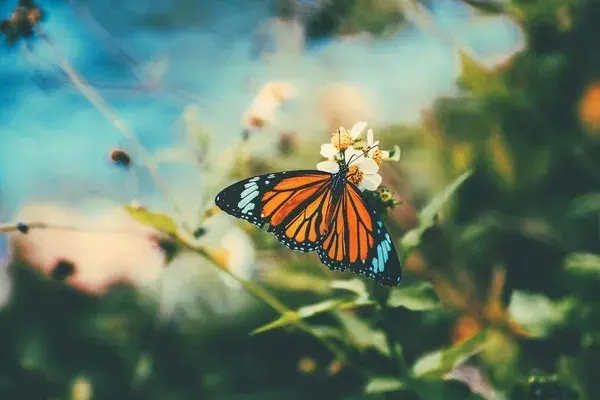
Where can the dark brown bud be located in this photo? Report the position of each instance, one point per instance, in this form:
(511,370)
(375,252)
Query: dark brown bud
(120,157)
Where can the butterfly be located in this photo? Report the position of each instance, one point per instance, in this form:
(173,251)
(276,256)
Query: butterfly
(313,210)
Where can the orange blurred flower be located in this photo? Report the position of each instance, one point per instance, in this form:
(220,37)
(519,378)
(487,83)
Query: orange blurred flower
(589,108)
(307,365)
(492,312)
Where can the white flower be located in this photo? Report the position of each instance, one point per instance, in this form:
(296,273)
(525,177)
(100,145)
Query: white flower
(263,108)
(328,166)
(371,144)
(358,129)
(364,174)
(393,155)
(342,140)
(329,151)
(362,171)
(377,154)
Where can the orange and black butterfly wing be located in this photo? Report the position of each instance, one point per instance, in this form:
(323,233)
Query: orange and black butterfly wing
(294,204)
(359,242)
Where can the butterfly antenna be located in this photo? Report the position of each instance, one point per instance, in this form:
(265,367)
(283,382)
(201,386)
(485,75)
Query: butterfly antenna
(356,157)
(339,141)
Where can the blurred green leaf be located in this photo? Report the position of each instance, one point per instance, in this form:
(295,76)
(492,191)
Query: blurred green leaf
(312,310)
(284,278)
(301,313)
(428,215)
(143,369)
(488,6)
(569,371)
(353,285)
(442,389)
(584,263)
(438,363)
(362,334)
(81,389)
(584,205)
(162,222)
(383,384)
(416,297)
(536,313)
(477,78)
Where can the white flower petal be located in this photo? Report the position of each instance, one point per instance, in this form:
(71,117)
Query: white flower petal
(396,154)
(357,129)
(368,166)
(328,166)
(373,147)
(350,153)
(328,150)
(370,137)
(371,182)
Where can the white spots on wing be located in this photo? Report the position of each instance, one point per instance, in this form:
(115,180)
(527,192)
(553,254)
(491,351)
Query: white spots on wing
(271,176)
(248,191)
(256,178)
(249,207)
(266,182)
(248,195)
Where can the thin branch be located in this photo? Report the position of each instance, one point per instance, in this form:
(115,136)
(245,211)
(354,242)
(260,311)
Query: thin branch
(23,227)
(97,101)
(260,294)
(397,355)
(252,288)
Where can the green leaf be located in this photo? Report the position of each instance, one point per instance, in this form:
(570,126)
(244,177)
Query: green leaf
(286,279)
(161,222)
(583,263)
(383,384)
(488,6)
(428,215)
(438,363)
(443,389)
(362,334)
(584,205)
(477,78)
(417,297)
(353,285)
(292,317)
(536,313)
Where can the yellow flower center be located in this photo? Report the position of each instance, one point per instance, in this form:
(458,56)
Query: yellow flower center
(360,145)
(377,156)
(354,175)
(341,140)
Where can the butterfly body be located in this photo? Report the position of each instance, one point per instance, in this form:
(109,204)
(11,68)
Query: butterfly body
(311,210)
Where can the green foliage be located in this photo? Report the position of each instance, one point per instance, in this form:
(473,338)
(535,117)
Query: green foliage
(530,210)
(160,222)
(584,263)
(415,297)
(586,204)
(429,215)
(384,384)
(437,364)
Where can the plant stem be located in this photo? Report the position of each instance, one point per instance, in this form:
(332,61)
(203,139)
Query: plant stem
(262,294)
(100,104)
(381,297)
(97,101)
